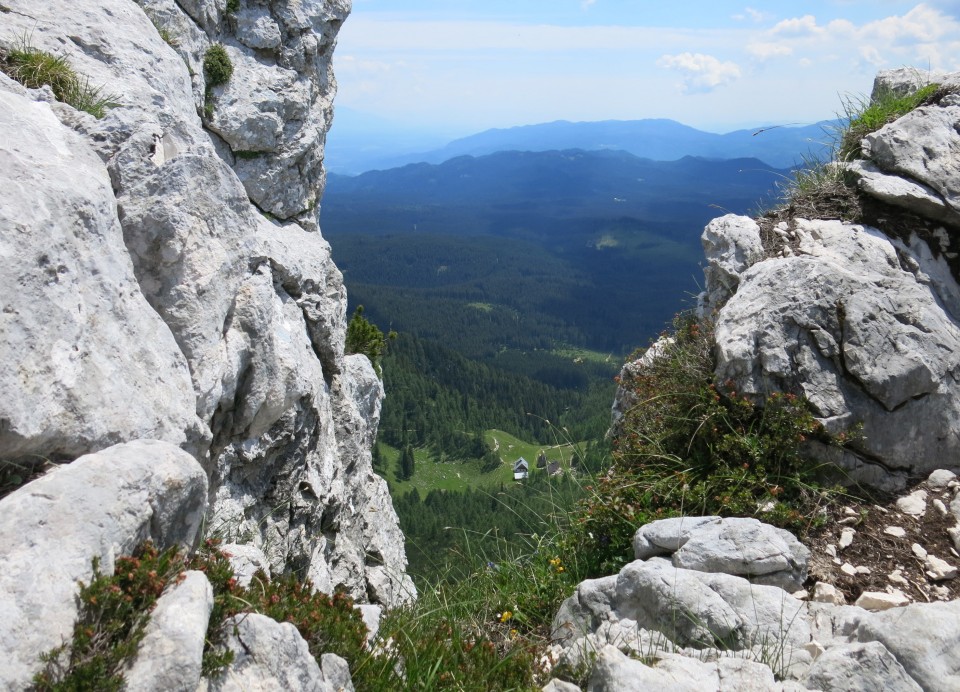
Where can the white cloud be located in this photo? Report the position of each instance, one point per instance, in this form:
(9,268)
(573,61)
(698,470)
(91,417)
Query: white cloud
(703,73)
(585,4)
(764,50)
(756,16)
(798,26)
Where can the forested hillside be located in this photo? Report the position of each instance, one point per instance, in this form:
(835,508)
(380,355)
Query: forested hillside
(517,282)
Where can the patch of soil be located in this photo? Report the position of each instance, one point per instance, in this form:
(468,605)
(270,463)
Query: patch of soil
(891,559)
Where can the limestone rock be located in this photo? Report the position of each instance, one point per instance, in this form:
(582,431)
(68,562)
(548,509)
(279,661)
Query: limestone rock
(941,478)
(902,192)
(932,661)
(90,363)
(245,560)
(336,671)
(731,244)
(614,672)
(902,81)
(880,600)
(171,653)
(239,355)
(923,145)
(715,607)
(584,611)
(745,547)
(267,655)
(827,593)
(666,536)
(868,342)
(938,569)
(859,667)
(914,504)
(102,505)
(557,685)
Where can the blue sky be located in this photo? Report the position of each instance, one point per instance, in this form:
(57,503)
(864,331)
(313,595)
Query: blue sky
(459,66)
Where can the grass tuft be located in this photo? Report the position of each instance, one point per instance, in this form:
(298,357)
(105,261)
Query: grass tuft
(821,189)
(693,446)
(865,116)
(35,68)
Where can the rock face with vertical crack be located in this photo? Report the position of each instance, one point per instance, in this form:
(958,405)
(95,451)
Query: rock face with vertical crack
(166,277)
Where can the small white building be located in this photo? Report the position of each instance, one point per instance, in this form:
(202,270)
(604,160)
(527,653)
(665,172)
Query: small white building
(521,469)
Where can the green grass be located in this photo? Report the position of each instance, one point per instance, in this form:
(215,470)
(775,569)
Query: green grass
(866,116)
(821,189)
(581,355)
(35,68)
(454,475)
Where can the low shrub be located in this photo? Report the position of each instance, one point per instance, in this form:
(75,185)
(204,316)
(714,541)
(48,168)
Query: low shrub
(365,337)
(693,446)
(217,65)
(114,611)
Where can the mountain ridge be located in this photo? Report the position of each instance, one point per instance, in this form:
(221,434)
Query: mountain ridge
(658,139)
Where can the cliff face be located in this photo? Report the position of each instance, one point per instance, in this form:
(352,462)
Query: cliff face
(163,276)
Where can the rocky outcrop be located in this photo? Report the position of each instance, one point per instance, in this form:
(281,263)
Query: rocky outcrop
(864,322)
(863,319)
(164,278)
(657,624)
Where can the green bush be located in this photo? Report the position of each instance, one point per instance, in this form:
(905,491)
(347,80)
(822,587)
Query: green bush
(693,446)
(365,337)
(435,644)
(217,65)
(114,611)
(233,6)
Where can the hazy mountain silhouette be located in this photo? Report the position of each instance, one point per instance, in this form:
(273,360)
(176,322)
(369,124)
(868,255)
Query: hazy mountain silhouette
(657,139)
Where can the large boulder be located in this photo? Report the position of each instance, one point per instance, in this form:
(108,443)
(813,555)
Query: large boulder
(89,363)
(741,546)
(100,507)
(924,638)
(850,319)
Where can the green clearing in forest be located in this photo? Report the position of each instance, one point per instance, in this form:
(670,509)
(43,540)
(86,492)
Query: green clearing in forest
(431,474)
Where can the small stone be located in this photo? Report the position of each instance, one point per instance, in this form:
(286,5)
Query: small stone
(895,531)
(942,592)
(863,570)
(814,648)
(914,504)
(850,512)
(940,507)
(896,576)
(837,561)
(846,538)
(831,549)
(880,509)
(879,600)
(941,478)
(828,593)
(955,536)
(938,569)
(848,569)
(919,551)
(953,485)
(849,521)
(801,595)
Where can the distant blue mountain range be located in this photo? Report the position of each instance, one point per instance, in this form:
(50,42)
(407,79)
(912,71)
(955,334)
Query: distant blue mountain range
(351,152)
